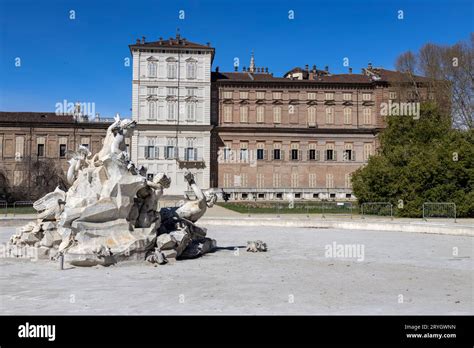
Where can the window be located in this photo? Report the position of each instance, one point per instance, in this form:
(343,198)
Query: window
(312,180)
(244,151)
(276,180)
(367,116)
(152,110)
(19,147)
(347,96)
(392,95)
(40,150)
(191,68)
(347,155)
(172,91)
(62,150)
(348,180)
(227,180)
(330,115)
(151,69)
(260,95)
(277,154)
(295,180)
(227,94)
(227,113)
(295,151)
(244,114)
(329,180)
(277,114)
(329,96)
(243,181)
(151,90)
(311,95)
(151,152)
(347,116)
(260,151)
(170,152)
(330,153)
(172,70)
(260,114)
(313,154)
(366,96)
(191,111)
(244,95)
(172,112)
(277,95)
(260,182)
(227,150)
(311,116)
(367,151)
(191,92)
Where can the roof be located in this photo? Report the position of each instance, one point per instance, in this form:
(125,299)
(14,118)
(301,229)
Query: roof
(34,117)
(396,76)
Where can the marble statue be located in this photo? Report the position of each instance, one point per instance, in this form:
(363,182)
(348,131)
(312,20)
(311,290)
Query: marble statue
(110,212)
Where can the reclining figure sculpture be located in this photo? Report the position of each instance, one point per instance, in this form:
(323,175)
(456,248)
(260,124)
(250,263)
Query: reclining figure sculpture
(110,212)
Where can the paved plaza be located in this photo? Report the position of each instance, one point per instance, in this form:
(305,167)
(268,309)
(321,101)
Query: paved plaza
(398,273)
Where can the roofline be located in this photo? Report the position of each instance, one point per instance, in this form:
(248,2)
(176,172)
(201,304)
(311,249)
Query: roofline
(205,48)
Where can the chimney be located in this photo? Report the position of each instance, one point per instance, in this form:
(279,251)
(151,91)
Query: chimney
(306,67)
(314,69)
(161,38)
(236,68)
(350,70)
(244,69)
(208,44)
(326,68)
(138,41)
(217,69)
(266,70)
(369,66)
(143,39)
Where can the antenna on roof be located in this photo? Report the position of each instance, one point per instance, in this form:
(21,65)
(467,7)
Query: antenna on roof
(177,34)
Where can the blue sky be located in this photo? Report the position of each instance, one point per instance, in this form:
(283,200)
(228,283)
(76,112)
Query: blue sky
(83,59)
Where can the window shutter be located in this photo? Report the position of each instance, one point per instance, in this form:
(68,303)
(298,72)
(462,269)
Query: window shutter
(157,152)
(317,155)
(195,154)
(334,155)
(300,155)
(326,155)
(353,155)
(282,154)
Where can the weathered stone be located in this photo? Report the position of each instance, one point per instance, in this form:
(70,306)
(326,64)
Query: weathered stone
(169,254)
(46,226)
(42,252)
(51,237)
(256,246)
(165,242)
(29,238)
(28,227)
(182,238)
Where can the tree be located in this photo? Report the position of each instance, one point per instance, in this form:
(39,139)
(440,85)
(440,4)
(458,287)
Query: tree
(451,72)
(418,161)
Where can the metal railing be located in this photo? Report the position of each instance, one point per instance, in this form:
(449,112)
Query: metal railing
(19,204)
(4,207)
(439,210)
(376,208)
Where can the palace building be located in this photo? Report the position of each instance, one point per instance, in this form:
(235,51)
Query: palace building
(247,133)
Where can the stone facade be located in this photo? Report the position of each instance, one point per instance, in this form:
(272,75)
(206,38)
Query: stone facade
(303,134)
(26,137)
(171,103)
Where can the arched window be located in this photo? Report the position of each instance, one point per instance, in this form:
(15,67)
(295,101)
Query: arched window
(152,110)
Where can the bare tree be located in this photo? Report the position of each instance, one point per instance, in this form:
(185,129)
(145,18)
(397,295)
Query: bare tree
(450,70)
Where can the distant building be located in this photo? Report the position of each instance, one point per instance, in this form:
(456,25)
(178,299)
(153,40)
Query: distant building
(171,99)
(301,135)
(27,137)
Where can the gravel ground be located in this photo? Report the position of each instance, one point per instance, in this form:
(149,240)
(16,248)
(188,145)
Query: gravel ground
(293,277)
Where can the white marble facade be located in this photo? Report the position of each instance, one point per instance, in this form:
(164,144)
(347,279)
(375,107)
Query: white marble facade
(171,103)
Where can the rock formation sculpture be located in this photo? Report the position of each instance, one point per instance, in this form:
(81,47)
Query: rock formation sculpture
(110,212)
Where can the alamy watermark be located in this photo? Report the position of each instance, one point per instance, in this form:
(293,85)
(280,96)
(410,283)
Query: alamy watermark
(400,109)
(75,109)
(345,251)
